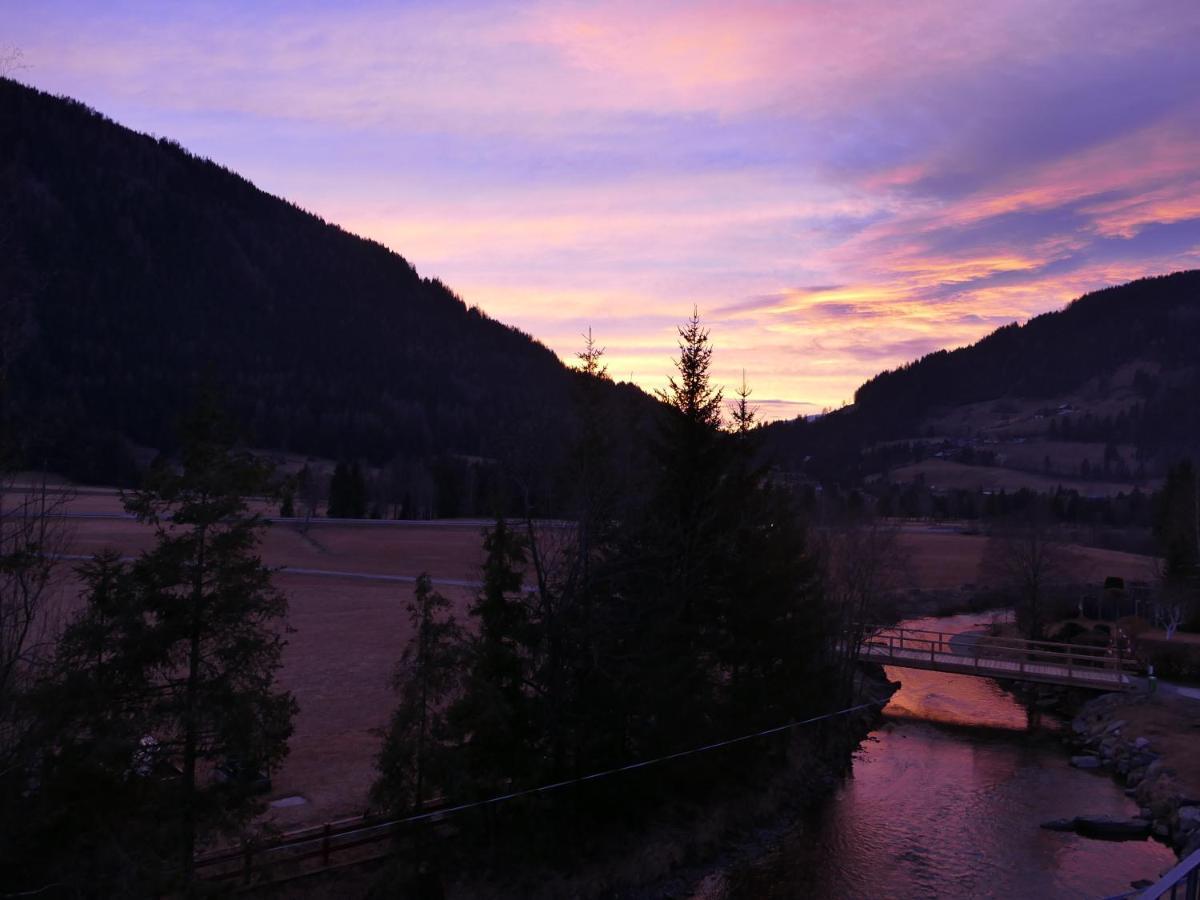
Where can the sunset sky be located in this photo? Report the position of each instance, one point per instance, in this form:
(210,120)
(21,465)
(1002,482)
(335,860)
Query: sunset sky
(838,187)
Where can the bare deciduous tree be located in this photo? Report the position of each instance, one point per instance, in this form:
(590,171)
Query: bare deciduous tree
(10,61)
(861,563)
(1027,560)
(32,539)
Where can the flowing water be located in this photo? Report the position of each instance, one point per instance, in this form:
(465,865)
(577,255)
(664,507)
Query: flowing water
(944,800)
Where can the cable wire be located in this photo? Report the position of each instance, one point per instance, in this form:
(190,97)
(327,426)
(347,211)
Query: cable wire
(595,776)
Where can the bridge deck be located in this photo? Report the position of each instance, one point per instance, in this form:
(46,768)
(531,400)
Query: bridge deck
(975,654)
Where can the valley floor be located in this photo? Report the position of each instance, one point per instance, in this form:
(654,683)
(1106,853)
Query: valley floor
(349,629)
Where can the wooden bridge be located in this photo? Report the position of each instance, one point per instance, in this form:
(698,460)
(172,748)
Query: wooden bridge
(974,653)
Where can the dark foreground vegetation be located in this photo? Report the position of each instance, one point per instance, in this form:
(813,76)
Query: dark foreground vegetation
(685,607)
(137,732)
(675,613)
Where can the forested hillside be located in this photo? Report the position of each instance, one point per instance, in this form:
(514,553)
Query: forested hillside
(132,272)
(1147,331)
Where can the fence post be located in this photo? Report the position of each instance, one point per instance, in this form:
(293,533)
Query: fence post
(325,846)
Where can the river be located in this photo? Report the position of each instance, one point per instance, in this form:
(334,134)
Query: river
(944,800)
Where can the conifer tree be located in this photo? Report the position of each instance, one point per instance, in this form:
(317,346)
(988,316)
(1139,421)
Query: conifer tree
(356,492)
(744,416)
(494,708)
(692,457)
(337,506)
(414,761)
(217,627)
(91,825)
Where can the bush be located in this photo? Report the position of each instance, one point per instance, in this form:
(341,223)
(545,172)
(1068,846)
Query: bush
(1171,659)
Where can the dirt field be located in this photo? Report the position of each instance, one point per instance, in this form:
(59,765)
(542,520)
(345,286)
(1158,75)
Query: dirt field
(945,559)
(347,634)
(347,639)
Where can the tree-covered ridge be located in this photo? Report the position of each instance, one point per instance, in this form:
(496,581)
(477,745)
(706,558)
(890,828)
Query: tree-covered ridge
(1149,319)
(1153,323)
(142,271)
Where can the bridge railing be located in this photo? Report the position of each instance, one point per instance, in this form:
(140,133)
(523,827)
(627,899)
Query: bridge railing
(1180,883)
(978,650)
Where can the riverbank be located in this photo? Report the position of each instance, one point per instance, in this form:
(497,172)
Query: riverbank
(945,799)
(669,857)
(1149,743)
(692,840)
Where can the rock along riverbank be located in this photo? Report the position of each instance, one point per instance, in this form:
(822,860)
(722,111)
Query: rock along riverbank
(1106,736)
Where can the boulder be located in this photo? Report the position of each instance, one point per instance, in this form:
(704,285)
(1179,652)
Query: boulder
(1192,845)
(1134,777)
(1162,804)
(1112,827)
(1115,726)
(1189,818)
(1059,825)
(1085,762)
(1141,743)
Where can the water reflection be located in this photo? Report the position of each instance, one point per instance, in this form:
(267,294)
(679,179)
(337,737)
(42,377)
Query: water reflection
(945,801)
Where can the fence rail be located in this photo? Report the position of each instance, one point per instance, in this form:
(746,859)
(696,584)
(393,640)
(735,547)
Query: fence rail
(1180,883)
(304,851)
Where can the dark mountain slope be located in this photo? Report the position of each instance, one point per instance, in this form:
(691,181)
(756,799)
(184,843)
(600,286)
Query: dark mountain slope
(1152,324)
(144,271)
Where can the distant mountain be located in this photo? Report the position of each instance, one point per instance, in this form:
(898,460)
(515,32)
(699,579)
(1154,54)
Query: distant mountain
(132,271)
(1120,366)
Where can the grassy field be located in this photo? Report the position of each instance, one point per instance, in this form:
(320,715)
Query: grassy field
(347,633)
(944,474)
(944,559)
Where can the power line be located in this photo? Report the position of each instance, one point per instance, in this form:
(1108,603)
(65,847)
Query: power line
(595,776)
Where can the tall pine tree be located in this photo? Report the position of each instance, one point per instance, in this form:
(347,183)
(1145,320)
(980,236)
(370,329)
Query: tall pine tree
(218,628)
